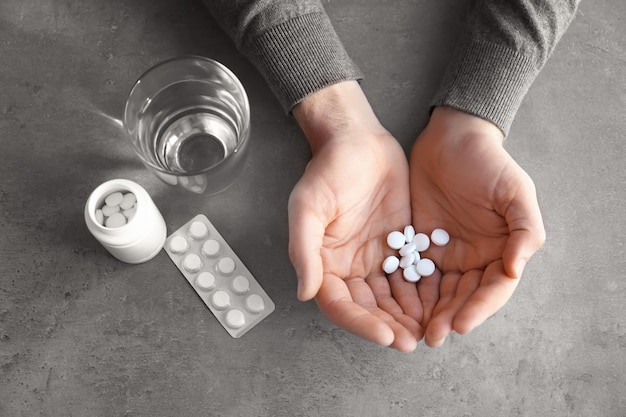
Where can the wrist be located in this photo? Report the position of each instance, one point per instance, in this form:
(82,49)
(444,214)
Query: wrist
(337,110)
(454,123)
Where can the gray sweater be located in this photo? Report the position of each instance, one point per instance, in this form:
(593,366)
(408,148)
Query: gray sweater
(502,49)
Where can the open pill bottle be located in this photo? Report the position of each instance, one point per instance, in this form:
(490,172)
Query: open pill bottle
(141,238)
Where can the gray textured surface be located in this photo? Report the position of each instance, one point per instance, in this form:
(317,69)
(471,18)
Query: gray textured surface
(82,334)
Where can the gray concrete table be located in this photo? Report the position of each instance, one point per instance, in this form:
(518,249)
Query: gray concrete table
(82,334)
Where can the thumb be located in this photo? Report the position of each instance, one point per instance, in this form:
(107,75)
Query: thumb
(306,234)
(526,231)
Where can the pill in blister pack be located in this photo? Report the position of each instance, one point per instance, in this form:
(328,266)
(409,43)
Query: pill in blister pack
(218,276)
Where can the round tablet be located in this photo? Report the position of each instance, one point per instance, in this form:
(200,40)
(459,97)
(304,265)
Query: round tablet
(409,233)
(205,280)
(198,230)
(178,244)
(115,220)
(407,249)
(240,284)
(128,201)
(109,210)
(226,265)
(425,267)
(235,318)
(220,299)
(210,248)
(114,199)
(395,240)
(422,242)
(99,217)
(390,264)
(407,260)
(255,303)
(130,213)
(410,274)
(440,237)
(192,262)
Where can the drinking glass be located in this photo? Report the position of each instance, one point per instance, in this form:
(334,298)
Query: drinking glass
(188,120)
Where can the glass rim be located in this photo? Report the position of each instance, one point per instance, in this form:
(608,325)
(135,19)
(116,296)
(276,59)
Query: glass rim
(246,107)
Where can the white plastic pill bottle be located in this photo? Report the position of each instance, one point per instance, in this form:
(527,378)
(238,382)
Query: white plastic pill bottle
(141,238)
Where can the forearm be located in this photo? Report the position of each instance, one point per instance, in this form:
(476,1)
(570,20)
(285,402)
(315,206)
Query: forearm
(499,55)
(292,43)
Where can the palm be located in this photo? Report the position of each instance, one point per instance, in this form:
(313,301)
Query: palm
(354,191)
(469,185)
(453,194)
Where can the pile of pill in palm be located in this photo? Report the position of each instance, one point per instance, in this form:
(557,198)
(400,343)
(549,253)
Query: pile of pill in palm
(117,210)
(409,245)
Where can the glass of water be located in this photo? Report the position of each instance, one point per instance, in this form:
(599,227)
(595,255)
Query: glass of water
(188,119)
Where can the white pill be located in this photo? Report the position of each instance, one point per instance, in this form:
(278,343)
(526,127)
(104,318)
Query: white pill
(407,260)
(220,299)
(226,265)
(115,220)
(425,267)
(235,318)
(205,280)
(409,233)
(408,248)
(410,274)
(440,237)
(109,210)
(99,217)
(114,199)
(395,240)
(417,257)
(130,213)
(422,242)
(128,201)
(178,244)
(240,284)
(210,248)
(198,230)
(192,262)
(390,264)
(255,303)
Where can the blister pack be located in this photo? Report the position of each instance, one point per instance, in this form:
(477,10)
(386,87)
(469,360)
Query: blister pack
(218,276)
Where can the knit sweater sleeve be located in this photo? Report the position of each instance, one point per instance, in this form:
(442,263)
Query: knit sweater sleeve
(291,42)
(499,55)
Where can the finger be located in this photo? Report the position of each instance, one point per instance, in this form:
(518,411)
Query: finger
(392,309)
(335,301)
(428,291)
(455,292)
(375,296)
(405,295)
(495,290)
(526,230)
(407,332)
(306,234)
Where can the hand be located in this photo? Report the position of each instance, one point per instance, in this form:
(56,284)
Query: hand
(353,192)
(464,181)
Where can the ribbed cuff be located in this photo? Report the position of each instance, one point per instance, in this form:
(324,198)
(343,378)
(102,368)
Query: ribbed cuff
(487,80)
(300,57)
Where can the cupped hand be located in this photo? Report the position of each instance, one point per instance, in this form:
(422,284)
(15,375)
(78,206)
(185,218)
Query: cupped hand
(464,181)
(352,193)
